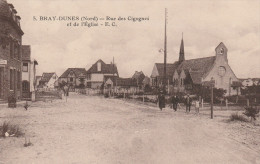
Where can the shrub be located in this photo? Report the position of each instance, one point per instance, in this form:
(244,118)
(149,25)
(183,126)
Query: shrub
(11,129)
(237,117)
(251,112)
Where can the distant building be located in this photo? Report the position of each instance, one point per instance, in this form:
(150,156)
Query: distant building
(48,80)
(249,82)
(126,85)
(139,77)
(75,77)
(183,75)
(28,72)
(99,72)
(146,81)
(37,81)
(10,51)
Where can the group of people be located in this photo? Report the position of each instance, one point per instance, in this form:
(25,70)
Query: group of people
(175,102)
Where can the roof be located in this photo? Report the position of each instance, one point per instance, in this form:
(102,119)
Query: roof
(105,68)
(76,71)
(170,68)
(26,52)
(46,77)
(126,82)
(200,64)
(196,76)
(6,13)
(196,67)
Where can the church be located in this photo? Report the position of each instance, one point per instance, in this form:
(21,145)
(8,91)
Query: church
(183,75)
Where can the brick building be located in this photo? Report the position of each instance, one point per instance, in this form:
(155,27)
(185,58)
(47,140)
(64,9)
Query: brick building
(10,51)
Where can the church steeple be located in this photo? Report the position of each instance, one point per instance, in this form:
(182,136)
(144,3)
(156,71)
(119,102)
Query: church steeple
(181,54)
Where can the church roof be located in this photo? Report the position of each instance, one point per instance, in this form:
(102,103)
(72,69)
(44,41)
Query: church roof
(170,68)
(76,71)
(196,67)
(200,64)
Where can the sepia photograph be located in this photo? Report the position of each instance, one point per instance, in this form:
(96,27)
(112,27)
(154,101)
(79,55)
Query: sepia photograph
(130,82)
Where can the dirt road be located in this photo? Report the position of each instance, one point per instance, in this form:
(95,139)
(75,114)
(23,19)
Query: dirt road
(104,131)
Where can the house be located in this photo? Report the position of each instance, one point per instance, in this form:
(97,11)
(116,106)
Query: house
(28,72)
(37,81)
(10,52)
(249,82)
(48,80)
(183,75)
(146,81)
(99,72)
(139,77)
(126,85)
(75,77)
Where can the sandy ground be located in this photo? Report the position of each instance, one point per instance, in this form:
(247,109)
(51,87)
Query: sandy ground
(98,130)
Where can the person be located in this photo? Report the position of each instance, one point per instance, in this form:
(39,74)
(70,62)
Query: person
(175,101)
(66,90)
(161,99)
(188,103)
(197,106)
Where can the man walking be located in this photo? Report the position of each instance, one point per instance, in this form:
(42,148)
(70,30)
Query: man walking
(175,101)
(161,99)
(188,103)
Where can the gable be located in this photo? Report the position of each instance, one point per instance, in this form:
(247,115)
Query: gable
(155,72)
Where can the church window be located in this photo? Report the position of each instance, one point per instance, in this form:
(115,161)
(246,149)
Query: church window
(221,71)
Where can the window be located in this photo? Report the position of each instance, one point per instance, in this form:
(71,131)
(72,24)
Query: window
(88,77)
(16,52)
(11,49)
(71,79)
(221,71)
(25,67)
(11,79)
(98,66)
(25,85)
(18,79)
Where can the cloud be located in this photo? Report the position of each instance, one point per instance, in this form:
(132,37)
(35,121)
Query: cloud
(135,45)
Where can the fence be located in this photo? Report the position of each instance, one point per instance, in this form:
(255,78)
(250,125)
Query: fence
(48,95)
(88,91)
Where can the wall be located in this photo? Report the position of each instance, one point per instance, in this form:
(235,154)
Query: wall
(13,63)
(222,81)
(97,77)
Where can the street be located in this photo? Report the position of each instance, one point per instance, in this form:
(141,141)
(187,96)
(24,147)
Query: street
(98,130)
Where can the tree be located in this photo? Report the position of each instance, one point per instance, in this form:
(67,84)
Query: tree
(205,93)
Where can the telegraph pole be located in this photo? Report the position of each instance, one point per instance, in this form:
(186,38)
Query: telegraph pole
(165,54)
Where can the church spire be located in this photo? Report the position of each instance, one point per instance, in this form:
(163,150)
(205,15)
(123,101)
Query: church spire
(181,54)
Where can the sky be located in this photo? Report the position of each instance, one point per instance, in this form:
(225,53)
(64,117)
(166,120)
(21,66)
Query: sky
(135,45)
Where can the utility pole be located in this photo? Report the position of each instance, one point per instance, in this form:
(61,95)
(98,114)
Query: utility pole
(165,54)
(211,105)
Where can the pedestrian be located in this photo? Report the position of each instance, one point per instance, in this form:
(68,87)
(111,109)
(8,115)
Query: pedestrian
(197,106)
(175,101)
(161,99)
(188,103)
(66,90)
